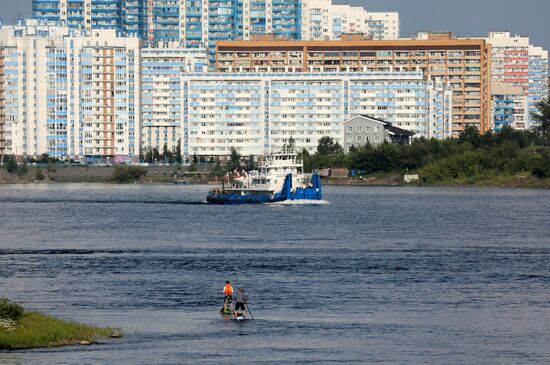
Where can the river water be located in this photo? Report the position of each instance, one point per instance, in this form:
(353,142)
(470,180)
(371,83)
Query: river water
(376,275)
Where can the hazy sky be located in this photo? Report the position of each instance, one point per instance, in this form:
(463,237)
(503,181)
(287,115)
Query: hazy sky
(463,17)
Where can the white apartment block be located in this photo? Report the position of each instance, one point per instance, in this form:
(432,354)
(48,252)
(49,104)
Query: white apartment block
(162,102)
(259,112)
(322,20)
(70,95)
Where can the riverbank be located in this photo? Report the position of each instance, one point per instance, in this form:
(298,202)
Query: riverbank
(157,174)
(519,181)
(39,330)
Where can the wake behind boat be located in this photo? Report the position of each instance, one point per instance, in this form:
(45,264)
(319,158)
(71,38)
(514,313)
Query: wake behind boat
(280,178)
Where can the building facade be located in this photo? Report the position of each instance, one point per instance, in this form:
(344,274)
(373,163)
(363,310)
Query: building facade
(517,63)
(538,75)
(259,112)
(162,102)
(70,95)
(464,64)
(510,107)
(201,23)
(323,20)
(124,16)
(360,130)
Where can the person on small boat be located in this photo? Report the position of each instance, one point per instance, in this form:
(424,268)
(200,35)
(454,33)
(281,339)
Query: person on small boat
(241,300)
(228,292)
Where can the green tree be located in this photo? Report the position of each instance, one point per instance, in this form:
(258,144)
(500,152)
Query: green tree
(470,134)
(167,155)
(234,160)
(178,151)
(217,171)
(542,116)
(327,147)
(10,163)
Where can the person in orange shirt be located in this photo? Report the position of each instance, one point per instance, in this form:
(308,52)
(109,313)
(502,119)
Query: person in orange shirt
(228,292)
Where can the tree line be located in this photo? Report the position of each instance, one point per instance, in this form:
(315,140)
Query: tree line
(472,154)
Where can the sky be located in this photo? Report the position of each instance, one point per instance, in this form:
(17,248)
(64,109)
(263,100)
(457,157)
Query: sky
(462,17)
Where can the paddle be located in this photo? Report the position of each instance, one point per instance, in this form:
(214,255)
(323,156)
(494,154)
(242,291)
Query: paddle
(248,309)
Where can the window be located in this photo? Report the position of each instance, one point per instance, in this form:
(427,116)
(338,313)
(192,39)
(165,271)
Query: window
(358,128)
(358,139)
(350,128)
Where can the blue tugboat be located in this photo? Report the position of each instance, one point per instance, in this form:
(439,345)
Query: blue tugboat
(280,178)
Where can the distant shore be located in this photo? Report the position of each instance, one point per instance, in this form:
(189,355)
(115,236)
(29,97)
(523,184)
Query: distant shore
(174,174)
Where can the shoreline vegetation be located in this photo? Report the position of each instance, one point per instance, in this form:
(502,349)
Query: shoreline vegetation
(20,329)
(519,168)
(505,158)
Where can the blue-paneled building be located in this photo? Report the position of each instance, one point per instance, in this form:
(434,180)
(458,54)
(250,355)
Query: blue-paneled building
(189,23)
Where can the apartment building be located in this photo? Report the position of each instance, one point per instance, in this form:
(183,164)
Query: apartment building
(70,95)
(2,110)
(322,20)
(510,106)
(517,63)
(201,23)
(538,76)
(162,102)
(464,64)
(259,112)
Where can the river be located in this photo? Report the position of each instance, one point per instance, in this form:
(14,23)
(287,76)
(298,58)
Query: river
(376,275)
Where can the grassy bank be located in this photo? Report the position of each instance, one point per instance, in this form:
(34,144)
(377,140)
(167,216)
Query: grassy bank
(520,180)
(33,329)
(154,174)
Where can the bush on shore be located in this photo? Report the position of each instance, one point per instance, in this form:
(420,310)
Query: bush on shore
(10,310)
(124,173)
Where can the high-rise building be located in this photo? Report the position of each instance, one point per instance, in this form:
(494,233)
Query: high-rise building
(517,63)
(464,64)
(162,102)
(2,102)
(124,16)
(70,95)
(509,106)
(201,23)
(322,20)
(538,76)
